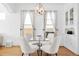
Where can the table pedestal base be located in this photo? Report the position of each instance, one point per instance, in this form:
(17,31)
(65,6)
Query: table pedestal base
(39,52)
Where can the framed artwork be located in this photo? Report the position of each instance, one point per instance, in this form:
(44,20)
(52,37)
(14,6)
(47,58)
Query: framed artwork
(71,16)
(66,15)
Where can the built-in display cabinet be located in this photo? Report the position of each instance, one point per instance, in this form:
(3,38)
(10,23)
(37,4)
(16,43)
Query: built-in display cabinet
(71,30)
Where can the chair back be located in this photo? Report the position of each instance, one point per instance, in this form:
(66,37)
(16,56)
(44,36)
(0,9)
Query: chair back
(56,44)
(50,37)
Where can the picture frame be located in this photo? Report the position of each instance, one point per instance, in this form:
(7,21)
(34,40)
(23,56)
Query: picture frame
(71,16)
(66,15)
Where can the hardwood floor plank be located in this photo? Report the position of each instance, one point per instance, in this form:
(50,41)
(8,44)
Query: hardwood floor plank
(65,52)
(16,51)
(61,52)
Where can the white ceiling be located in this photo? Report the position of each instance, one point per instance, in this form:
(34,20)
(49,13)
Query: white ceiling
(29,6)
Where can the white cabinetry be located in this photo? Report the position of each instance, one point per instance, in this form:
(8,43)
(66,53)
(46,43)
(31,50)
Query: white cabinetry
(71,43)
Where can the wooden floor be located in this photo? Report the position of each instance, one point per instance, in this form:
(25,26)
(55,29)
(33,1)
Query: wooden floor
(62,52)
(65,52)
(10,51)
(16,51)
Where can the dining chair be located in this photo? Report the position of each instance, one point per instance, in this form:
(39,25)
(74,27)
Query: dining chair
(26,48)
(52,46)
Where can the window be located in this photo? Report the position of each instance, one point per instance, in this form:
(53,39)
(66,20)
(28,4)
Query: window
(28,30)
(50,24)
(27,23)
(2,16)
(50,21)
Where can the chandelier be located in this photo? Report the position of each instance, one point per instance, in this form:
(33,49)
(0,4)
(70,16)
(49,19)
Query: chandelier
(39,9)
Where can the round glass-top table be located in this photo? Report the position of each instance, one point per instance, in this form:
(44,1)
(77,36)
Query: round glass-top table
(36,45)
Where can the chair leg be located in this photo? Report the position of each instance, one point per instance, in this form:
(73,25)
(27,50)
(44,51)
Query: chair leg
(48,54)
(41,52)
(29,54)
(38,53)
(56,54)
(22,54)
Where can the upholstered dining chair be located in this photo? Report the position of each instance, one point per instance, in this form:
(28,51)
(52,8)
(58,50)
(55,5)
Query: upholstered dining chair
(26,47)
(52,46)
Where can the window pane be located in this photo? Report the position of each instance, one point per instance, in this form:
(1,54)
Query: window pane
(48,15)
(27,19)
(49,18)
(28,23)
(50,23)
(49,26)
(28,30)
(53,16)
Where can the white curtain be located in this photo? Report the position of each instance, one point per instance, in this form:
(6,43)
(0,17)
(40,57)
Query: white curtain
(45,19)
(24,43)
(56,23)
(23,18)
(51,17)
(23,15)
(54,19)
(32,17)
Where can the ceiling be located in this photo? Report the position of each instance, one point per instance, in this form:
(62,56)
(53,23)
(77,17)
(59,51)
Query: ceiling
(29,6)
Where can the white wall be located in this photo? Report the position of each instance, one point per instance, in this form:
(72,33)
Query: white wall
(78,28)
(60,24)
(39,26)
(70,41)
(10,27)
